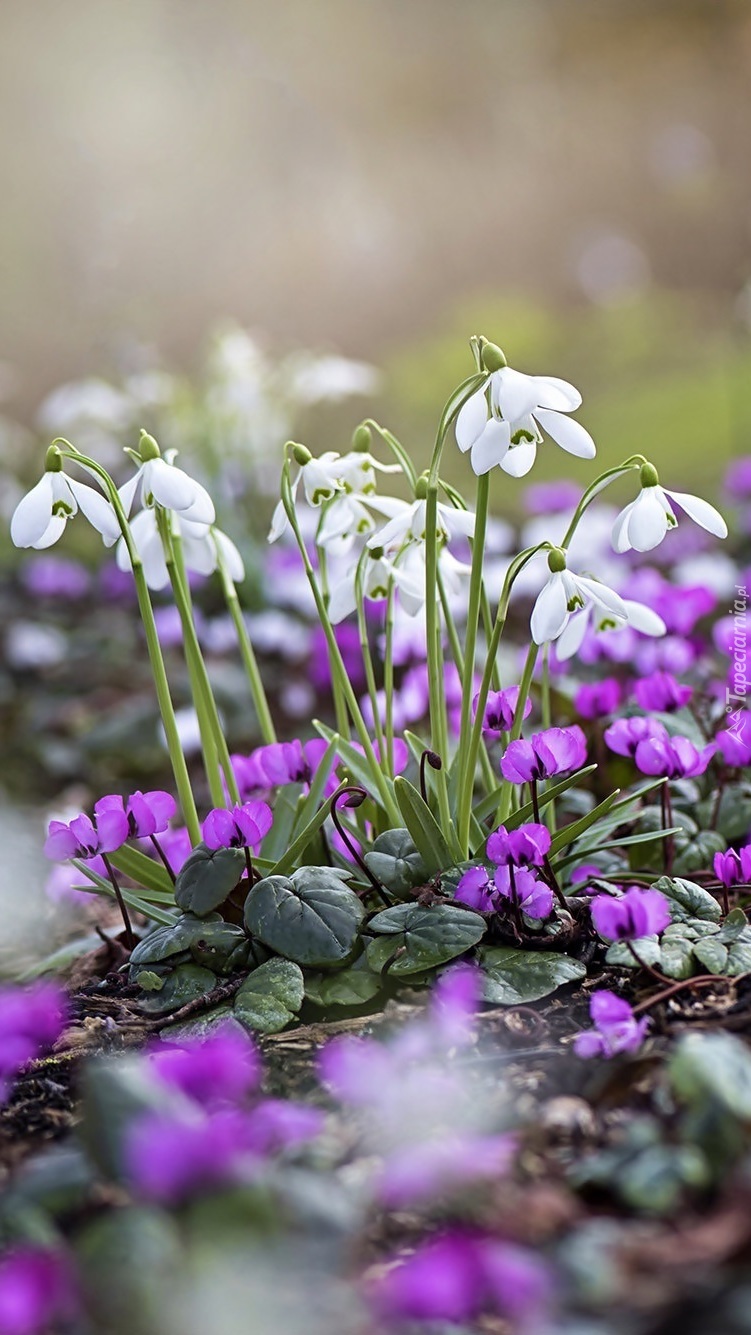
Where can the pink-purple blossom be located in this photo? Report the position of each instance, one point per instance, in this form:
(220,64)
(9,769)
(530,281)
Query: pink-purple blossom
(224,1067)
(242,827)
(625,734)
(630,916)
(661,692)
(522,888)
(599,698)
(672,757)
(616,1028)
(734,867)
(500,710)
(37,1290)
(85,836)
(525,847)
(31,1019)
(554,751)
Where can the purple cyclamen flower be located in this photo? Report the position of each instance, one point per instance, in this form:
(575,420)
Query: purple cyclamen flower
(85,836)
(661,692)
(222,1068)
(56,577)
(734,867)
(37,1291)
(242,827)
(596,699)
(522,887)
(616,1028)
(31,1019)
(554,751)
(457,1276)
(633,915)
(525,847)
(145,813)
(280,763)
(625,734)
(476,890)
(454,1002)
(674,757)
(737,481)
(454,1160)
(500,710)
(550,498)
(734,745)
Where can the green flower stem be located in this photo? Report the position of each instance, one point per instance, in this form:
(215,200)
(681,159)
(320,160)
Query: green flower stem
(470,638)
(247,653)
(396,448)
(340,706)
(161,683)
(599,485)
(338,670)
(203,696)
(464,799)
(546,722)
(507,788)
(388,676)
(367,658)
(489,778)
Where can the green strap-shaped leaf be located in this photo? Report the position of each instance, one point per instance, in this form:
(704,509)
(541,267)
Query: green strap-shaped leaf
(423,827)
(571,832)
(144,871)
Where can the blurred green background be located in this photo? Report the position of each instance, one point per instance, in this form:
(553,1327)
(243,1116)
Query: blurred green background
(382,178)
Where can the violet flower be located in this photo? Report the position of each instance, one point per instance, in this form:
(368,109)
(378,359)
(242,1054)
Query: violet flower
(734,867)
(734,748)
(85,837)
(673,757)
(616,1028)
(554,751)
(521,887)
(146,813)
(596,699)
(37,1291)
(55,577)
(661,692)
(525,847)
(633,915)
(31,1019)
(500,709)
(242,827)
(222,1068)
(625,734)
(458,1276)
(477,891)
(432,1168)
(279,763)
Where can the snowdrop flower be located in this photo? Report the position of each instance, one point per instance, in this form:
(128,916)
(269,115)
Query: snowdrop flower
(159,482)
(638,617)
(409,524)
(566,593)
(346,518)
(331,477)
(642,525)
(203,549)
(502,423)
(41,515)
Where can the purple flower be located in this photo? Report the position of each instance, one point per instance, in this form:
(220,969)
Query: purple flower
(616,1028)
(633,915)
(550,498)
(500,710)
(145,813)
(625,734)
(56,577)
(457,1276)
(526,847)
(734,748)
(31,1019)
(674,757)
(242,827)
(594,700)
(554,751)
(276,1125)
(85,837)
(476,890)
(37,1291)
(453,1005)
(661,692)
(737,481)
(734,867)
(418,1173)
(222,1068)
(522,887)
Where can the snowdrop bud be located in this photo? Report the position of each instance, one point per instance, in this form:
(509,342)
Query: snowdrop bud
(421,487)
(362,439)
(53,462)
(648,476)
(492,358)
(556,560)
(301,454)
(147,447)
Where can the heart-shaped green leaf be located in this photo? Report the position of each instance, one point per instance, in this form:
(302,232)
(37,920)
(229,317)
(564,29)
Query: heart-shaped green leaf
(207,877)
(346,987)
(421,938)
(309,917)
(271,997)
(513,977)
(186,983)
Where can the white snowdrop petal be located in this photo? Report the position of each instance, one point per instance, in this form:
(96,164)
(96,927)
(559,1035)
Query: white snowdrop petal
(569,641)
(620,536)
(456,520)
(230,556)
(169,486)
(603,596)
(520,458)
(550,612)
(649,521)
(343,600)
(570,435)
(127,491)
(701,512)
(491,446)
(278,522)
(97,510)
(513,393)
(471,420)
(32,515)
(643,619)
(53,531)
(557,394)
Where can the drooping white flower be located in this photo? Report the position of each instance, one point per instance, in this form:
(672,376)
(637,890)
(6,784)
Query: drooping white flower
(638,617)
(346,517)
(565,594)
(158,481)
(202,548)
(642,525)
(503,421)
(41,515)
(329,477)
(410,524)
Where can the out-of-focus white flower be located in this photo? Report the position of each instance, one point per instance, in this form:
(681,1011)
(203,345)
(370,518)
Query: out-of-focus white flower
(31,646)
(566,593)
(642,525)
(202,546)
(41,515)
(158,481)
(317,378)
(85,403)
(502,423)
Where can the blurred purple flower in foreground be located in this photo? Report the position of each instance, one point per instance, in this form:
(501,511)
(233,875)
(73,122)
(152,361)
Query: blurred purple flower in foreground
(37,1291)
(31,1019)
(595,699)
(222,1068)
(616,1028)
(633,915)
